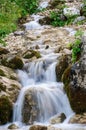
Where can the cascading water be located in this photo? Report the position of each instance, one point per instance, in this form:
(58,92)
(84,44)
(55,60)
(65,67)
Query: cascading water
(40,79)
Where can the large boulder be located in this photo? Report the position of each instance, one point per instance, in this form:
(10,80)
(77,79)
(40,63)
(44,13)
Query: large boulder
(74,79)
(30,107)
(9,90)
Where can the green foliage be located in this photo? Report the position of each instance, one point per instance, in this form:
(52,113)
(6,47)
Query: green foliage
(56,20)
(27,6)
(76,47)
(76,50)
(9,13)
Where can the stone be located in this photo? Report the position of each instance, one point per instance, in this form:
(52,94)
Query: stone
(83,10)
(78,118)
(58,119)
(12,61)
(79,19)
(5,109)
(3,51)
(61,66)
(31,53)
(17,33)
(71,11)
(45,21)
(38,127)
(13,126)
(8,72)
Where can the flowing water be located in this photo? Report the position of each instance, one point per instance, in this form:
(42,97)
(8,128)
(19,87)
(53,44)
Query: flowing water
(39,78)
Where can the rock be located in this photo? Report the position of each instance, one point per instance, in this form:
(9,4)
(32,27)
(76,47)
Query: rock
(58,48)
(79,19)
(78,118)
(31,53)
(38,127)
(30,107)
(9,90)
(58,119)
(45,21)
(13,126)
(3,51)
(8,72)
(74,79)
(71,11)
(83,10)
(14,62)
(17,33)
(9,87)
(67,52)
(61,66)
(5,109)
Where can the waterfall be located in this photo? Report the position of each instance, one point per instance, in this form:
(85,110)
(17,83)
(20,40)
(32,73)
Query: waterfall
(40,79)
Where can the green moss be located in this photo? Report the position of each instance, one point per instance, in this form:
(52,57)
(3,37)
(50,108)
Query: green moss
(5,110)
(31,53)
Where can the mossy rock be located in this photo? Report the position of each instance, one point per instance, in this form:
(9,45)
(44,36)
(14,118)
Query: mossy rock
(61,66)
(5,109)
(13,126)
(31,53)
(76,94)
(3,51)
(14,62)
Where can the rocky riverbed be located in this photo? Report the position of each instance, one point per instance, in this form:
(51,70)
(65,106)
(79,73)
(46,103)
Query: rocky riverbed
(29,44)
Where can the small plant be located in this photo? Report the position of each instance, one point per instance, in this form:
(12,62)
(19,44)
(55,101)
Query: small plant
(76,50)
(76,47)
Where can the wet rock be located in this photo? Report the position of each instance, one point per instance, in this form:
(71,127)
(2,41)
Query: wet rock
(9,87)
(74,79)
(30,107)
(3,51)
(8,72)
(78,118)
(31,53)
(61,66)
(9,90)
(13,126)
(5,109)
(58,119)
(14,62)
(38,127)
